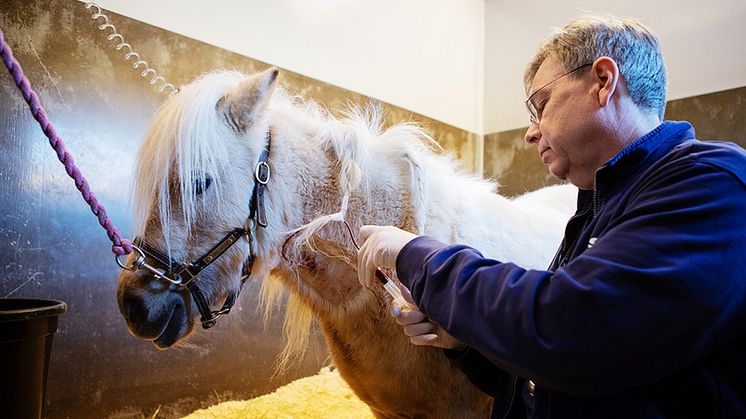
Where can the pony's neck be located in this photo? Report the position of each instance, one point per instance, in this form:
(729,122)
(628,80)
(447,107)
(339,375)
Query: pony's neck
(305,186)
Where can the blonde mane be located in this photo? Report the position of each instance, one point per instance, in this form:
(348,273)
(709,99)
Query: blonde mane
(182,135)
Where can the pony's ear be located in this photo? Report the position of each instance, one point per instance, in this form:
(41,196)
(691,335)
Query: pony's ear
(244,103)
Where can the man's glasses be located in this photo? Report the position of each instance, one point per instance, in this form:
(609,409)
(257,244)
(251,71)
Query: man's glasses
(534,112)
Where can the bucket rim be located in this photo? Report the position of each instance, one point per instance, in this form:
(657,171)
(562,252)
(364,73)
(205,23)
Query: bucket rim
(27,308)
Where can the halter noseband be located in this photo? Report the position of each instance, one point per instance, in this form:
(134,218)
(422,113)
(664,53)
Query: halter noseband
(185,274)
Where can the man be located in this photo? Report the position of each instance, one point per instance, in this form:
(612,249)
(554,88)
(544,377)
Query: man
(642,313)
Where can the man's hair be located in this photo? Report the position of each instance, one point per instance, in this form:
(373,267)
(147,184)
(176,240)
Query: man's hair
(631,44)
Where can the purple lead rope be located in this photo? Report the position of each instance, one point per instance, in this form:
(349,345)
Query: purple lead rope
(119,246)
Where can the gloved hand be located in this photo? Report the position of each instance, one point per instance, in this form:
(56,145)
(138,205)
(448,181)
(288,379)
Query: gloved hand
(381,246)
(418,327)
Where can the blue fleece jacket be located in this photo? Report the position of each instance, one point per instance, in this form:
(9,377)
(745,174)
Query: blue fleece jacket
(643,311)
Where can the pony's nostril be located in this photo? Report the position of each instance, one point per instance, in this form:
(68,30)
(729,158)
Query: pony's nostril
(142,321)
(133,308)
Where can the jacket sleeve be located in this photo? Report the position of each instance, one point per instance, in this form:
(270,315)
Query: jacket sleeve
(661,287)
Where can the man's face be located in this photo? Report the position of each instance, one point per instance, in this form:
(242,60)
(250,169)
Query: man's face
(565,136)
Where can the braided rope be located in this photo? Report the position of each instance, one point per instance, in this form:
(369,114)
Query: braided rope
(119,246)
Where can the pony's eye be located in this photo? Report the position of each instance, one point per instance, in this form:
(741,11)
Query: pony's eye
(201,185)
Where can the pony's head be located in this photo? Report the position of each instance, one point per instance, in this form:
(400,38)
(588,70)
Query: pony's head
(194,182)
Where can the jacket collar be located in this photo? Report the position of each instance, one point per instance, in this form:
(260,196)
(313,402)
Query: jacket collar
(640,154)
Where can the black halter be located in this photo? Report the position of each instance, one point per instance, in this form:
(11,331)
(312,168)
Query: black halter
(186,274)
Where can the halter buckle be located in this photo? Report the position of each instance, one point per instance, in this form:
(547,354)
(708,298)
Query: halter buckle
(208,323)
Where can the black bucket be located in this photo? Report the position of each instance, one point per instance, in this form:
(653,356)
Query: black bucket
(26,330)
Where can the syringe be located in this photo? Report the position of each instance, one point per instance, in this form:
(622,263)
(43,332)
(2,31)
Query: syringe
(392,289)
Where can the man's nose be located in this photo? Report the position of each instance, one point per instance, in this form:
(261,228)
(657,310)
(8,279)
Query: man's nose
(533,134)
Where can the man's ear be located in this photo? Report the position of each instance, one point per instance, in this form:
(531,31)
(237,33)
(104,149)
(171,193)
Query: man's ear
(244,104)
(606,76)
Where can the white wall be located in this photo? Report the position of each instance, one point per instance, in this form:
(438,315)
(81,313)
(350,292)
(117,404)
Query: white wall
(457,61)
(421,55)
(703,43)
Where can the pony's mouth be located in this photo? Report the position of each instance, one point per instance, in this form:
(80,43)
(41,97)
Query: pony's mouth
(176,328)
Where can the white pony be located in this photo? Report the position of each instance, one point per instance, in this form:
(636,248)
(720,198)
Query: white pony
(194,181)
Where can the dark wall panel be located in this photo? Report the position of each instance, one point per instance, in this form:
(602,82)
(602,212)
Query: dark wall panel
(52,247)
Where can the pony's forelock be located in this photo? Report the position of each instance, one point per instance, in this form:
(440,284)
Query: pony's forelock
(183,134)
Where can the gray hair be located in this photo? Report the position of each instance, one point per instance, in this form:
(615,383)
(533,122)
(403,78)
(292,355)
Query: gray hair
(634,47)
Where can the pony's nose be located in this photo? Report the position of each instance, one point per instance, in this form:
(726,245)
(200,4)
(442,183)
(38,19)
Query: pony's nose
(135,311)
(146,305)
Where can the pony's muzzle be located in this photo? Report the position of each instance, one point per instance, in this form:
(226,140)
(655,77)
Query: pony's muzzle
(153,311)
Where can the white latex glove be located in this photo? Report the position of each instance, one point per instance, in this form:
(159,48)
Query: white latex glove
(418,327)
(381,246)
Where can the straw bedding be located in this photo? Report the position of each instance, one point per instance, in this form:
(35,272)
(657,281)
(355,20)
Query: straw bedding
(324,395)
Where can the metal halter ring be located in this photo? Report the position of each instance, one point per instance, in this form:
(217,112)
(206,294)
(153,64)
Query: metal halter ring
(257,173)
(139,263)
